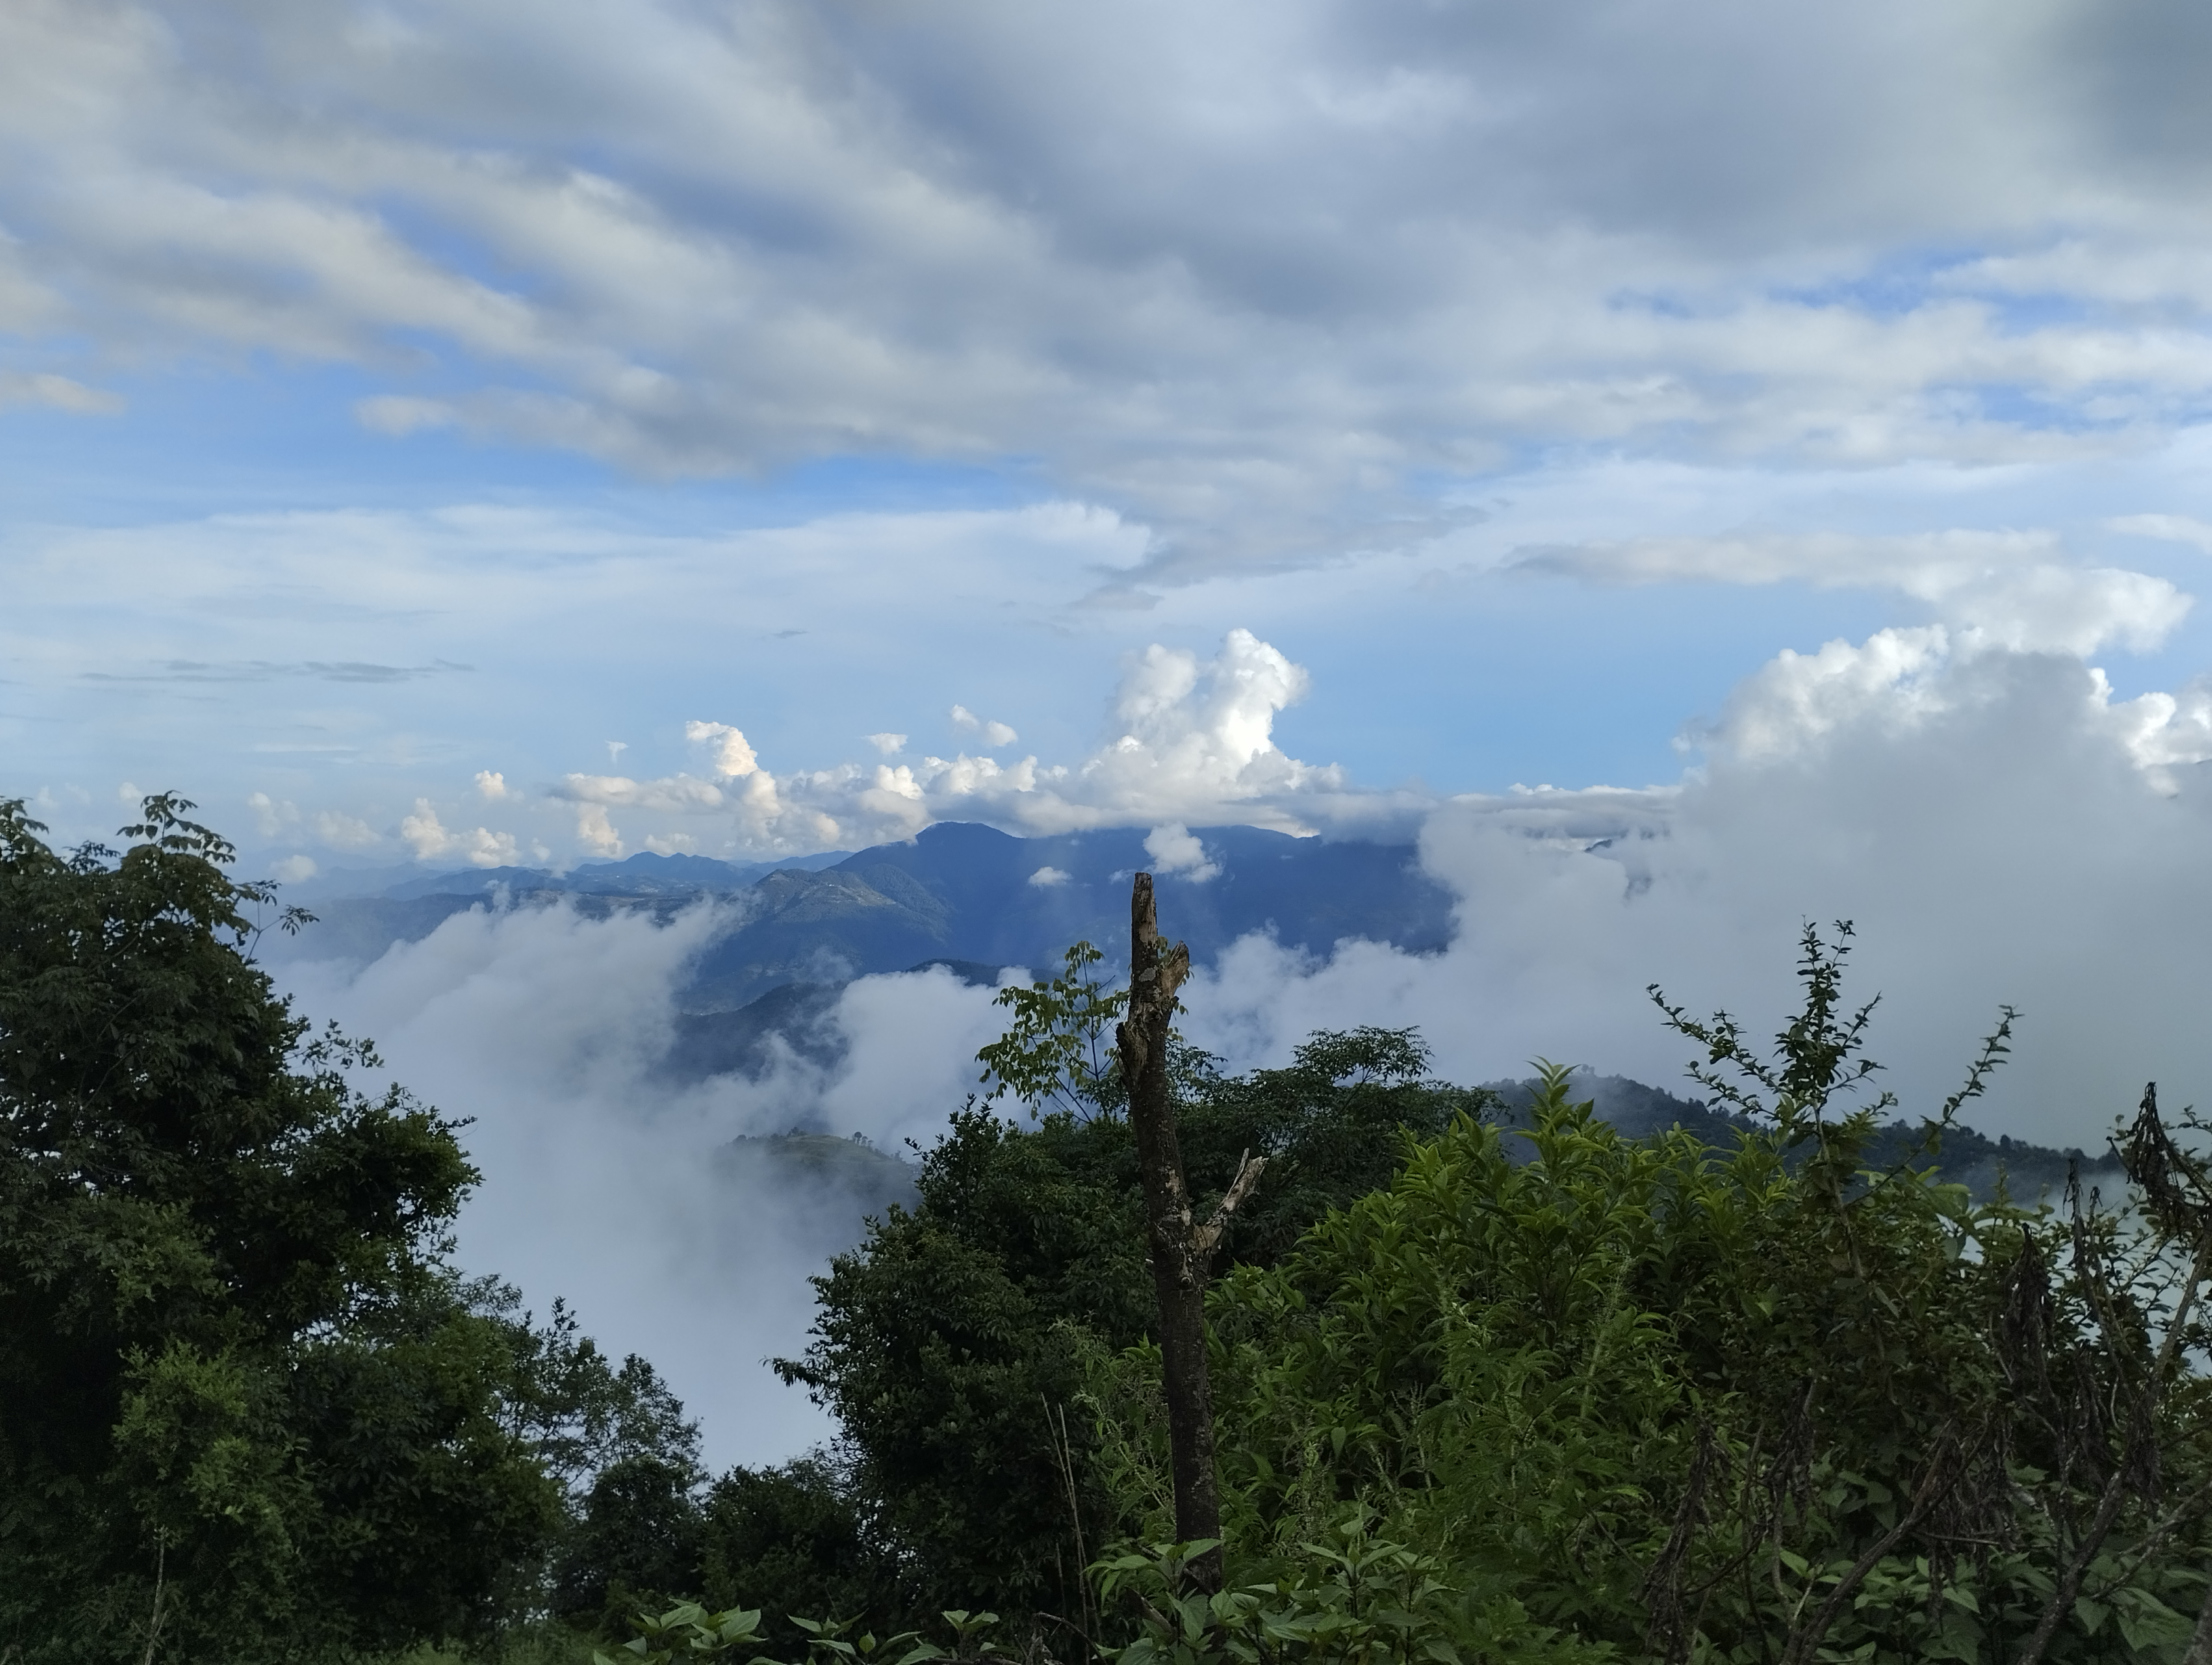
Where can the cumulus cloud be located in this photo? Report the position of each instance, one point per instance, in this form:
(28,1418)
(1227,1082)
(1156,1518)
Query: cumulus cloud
(272,816)
(430,840)
(1899,681)
(293,870)
(1190,741)
(995,734)
(1046,878)
(890,745)
(1176,849)
(492,787)
(595,832)
(733,757)
(2001,829)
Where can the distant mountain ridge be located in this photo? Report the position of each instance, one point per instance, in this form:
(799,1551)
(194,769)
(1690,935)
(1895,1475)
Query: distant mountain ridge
(2027,1172)
(845,1181)
(956,892)
(975,900)
(644,874)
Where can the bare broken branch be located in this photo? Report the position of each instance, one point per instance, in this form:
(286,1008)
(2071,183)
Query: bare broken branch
(1248,1169)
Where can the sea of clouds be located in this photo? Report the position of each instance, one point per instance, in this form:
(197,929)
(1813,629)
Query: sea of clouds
(2001,827)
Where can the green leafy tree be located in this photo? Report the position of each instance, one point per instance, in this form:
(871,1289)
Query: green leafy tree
(1058,1052)
(234,1364)
(952,1345)
(794,1534)
(1766,1404)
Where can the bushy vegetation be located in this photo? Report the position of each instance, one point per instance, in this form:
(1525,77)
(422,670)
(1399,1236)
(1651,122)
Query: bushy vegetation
(248,1409)
(1545,1394)
(1594,1396)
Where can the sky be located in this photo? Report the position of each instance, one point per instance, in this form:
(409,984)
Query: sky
(1694,467)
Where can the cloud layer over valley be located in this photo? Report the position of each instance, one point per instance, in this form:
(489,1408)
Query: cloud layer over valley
(610,1187)
(2002,828)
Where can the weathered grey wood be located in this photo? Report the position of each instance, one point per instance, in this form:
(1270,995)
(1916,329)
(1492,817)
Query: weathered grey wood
(1181,1251)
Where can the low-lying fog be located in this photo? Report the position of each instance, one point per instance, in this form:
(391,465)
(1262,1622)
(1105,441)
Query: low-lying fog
(2009,838)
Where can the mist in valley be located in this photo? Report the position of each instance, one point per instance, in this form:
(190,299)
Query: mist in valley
(613,1185)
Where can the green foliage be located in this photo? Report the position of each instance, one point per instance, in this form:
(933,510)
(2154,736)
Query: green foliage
(689,1630)
(942,1343)
(794,1536)
(1551,1395)
(1688,1403)
(1594,1398)
(952,1342)
(1058,1052)
(235,1364)
(1354,1599)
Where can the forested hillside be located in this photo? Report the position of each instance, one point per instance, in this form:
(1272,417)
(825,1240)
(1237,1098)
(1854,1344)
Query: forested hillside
(958,892)
(1490,1376)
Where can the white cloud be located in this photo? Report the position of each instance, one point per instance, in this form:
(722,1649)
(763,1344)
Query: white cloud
(399,415)
(430,840)
(1046,878)
(492,787)
(424,833)
(293,870)
(1192,742)
(59,394)
(1795,699)
(595,832)
(670,844)
(679,794)
(2000,829)
(890,745)
(1899,681)
(272,816)
(345,832)
(602,1182)
(1200,738)
(2171,528)
(994,734)
(485,849)
(2010,589)
(1257,301)
(733,757)
(1176,849)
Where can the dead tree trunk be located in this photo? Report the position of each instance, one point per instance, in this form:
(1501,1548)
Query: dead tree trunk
(1182,1251)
